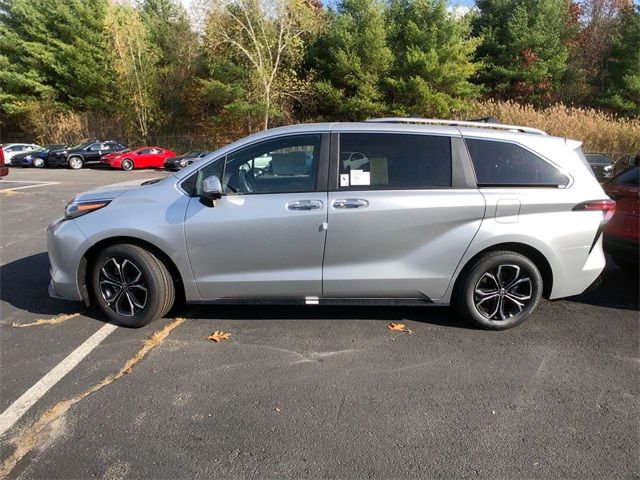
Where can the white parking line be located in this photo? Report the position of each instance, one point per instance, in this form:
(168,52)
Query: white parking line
(36,184)
(18,408)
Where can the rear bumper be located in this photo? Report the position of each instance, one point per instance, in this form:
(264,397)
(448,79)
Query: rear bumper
(4,171)
(576,270)
(622,248)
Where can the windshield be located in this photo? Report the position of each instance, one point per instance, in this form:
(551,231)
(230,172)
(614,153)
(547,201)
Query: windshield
(597,158)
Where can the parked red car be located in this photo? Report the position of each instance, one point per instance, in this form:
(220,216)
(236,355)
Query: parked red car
(4,170)
(622,233)
(141,157)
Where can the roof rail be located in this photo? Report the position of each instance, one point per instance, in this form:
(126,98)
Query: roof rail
(457,123)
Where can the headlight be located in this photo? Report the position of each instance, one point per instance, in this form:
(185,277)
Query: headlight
(77,209)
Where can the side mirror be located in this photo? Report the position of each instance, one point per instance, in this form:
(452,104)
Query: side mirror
(211,191)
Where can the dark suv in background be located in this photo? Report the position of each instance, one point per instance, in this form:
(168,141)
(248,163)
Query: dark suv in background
(80,155)
(601,166)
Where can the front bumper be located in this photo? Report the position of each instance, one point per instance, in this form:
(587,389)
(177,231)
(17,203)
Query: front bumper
(172,166)
(65,248)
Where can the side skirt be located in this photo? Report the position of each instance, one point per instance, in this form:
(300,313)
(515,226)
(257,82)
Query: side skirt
(403,302)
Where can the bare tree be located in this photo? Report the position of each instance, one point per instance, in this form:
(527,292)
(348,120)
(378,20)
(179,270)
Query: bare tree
(134,60)
(269,34)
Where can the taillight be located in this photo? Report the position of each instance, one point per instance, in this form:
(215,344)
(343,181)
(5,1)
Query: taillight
(607,207)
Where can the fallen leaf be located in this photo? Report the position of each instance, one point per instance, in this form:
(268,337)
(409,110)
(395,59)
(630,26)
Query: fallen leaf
(218,335)
(128,371)
(276,408)
(399,327)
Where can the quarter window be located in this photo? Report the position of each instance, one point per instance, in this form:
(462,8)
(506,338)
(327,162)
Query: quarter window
(501,164)
(377,161)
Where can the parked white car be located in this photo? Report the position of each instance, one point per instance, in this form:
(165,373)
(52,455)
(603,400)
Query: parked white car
(12,149)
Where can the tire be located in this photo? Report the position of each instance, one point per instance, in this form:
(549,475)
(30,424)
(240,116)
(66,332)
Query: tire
(499,290)
(76,163)
(38,162)
(148,291)
(127,164)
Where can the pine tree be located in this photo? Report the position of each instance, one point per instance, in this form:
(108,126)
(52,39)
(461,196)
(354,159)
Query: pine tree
(623,80)
(524,47)
(179,51)
(352,59)
(433,58)
(52,51)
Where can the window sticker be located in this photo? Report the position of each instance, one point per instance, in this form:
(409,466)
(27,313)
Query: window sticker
(360,177)
(344,179)
(379,171)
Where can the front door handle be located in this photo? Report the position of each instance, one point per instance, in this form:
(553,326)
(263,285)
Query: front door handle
(350,203)
(305,205)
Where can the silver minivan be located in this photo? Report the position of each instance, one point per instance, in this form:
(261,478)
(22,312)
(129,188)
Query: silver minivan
(487,217)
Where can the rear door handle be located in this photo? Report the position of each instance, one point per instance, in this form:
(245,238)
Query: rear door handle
(350,203)
(305,205)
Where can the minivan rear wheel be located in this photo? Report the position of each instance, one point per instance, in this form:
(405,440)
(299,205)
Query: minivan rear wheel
(130,285)
(500,290)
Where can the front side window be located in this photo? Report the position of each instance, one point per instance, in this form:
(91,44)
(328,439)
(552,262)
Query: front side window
(145,151)
(283,165)
(380,161)
(96,147)
(502,164)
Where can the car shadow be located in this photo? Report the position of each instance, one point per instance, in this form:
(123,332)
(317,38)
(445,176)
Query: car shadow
(442,316)
(24,286)
(619,289)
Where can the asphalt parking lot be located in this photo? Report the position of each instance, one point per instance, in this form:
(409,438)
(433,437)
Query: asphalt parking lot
(304,392)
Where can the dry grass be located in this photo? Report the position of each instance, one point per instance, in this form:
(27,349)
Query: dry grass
(47,321)
(600,131)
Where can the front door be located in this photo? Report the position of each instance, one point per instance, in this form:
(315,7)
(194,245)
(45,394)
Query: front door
(397,228)
(265,237)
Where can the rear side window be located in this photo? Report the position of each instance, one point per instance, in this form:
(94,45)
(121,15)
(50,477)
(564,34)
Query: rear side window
(380,161)
(501,164)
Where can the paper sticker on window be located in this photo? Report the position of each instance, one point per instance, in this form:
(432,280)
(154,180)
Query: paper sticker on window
(360,177)
(344,179)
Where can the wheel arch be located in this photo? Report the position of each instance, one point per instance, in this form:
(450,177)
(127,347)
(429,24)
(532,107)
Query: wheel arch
(532,253)
(90,254)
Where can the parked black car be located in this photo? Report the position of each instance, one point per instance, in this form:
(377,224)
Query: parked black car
(176,163)
(37,158)
(601,166)
(80,155)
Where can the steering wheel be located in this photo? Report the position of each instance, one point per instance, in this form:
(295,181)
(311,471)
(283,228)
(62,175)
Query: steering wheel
(246,184)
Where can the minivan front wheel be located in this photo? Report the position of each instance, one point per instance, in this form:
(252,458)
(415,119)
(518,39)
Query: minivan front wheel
(130,285)
(500,290)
